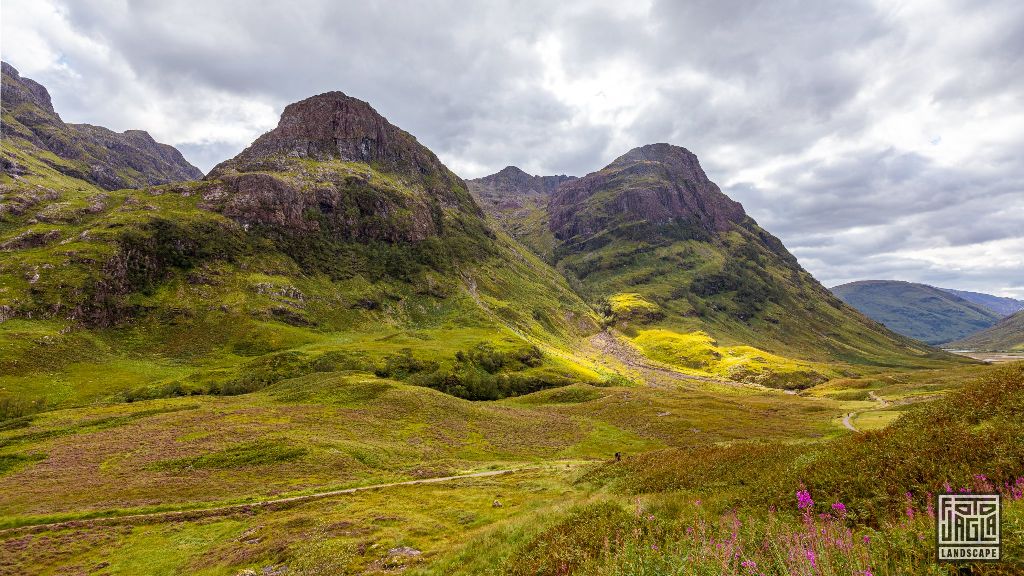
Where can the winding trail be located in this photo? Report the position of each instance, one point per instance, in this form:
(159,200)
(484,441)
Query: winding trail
(192,514)
(846,422)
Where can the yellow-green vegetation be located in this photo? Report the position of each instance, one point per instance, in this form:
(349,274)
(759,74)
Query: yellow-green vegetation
(630,306)
(712,508)
(700,353)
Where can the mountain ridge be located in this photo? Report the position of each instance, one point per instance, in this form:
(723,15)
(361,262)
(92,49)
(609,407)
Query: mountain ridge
(102,157)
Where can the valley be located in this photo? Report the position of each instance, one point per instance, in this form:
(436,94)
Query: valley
(333,355)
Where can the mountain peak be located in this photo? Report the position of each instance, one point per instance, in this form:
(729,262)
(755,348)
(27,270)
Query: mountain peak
(657,184)
(17,90)
(512,171)
(334,125)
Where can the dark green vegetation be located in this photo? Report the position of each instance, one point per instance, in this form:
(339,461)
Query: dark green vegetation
(332,309)
(1006,336)
(998,304)
(928,314)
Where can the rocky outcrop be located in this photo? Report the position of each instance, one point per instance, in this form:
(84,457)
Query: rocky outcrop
(654,184)
(334,165)
(108,159)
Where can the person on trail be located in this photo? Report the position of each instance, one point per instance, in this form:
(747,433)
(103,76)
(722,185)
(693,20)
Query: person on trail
(618,456)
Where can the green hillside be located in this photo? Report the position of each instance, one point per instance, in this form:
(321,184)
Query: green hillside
(672,261)
(1005,336)
(918,311)
(298,256)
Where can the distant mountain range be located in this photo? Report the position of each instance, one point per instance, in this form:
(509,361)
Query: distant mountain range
(999,304)
(926,313)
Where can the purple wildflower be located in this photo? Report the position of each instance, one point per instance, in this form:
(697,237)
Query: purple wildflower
(803,499)
(840,509)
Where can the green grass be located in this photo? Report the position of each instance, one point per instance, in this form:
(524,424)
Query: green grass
(257,453)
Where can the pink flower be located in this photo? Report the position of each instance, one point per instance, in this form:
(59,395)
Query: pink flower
(840,509)
(803,499)
(867,573)
(867,539)
(749,564)
(811,557)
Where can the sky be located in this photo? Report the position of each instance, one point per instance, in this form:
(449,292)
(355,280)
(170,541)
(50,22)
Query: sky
(878,140)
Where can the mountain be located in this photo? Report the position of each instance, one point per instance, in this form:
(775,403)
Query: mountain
(998,304)
(680,267)
(923,312)
(35,138)
(335,240)
(518,203)
(1007,335)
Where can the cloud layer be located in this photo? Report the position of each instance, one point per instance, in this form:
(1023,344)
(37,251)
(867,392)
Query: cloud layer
(877,139)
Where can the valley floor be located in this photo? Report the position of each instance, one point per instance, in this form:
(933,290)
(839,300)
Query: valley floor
(266,482)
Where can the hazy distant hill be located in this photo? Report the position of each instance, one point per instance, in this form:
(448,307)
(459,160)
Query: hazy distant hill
(998,304)
(919,311)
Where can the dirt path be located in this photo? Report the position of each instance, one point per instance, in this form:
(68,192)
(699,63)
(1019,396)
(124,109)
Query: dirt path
(179,515)
(846,422)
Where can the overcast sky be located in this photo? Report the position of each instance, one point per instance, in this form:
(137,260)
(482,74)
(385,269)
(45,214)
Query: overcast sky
(877,139)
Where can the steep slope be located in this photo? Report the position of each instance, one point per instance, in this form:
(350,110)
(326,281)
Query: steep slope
(1005,336)
(335,241)
(928,314)
(998,304)
(667,254)
(33,132)
(518,203)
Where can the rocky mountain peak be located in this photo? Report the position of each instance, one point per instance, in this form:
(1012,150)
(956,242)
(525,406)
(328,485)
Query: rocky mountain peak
(656,184)
(334,125)
(336,167)
(18,90)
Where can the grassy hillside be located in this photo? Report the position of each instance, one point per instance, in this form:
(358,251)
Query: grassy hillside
(276,266)
(657,246)
(1006,336)
(700,468)
(918,311)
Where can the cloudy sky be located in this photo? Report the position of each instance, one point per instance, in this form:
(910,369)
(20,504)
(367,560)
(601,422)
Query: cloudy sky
(877,139)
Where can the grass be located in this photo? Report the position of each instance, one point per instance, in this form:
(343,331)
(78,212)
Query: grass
(698,352)
(256,453)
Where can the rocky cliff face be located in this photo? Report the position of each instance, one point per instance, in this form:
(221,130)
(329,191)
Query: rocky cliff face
(335,165)
(655,184)
(108,159)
